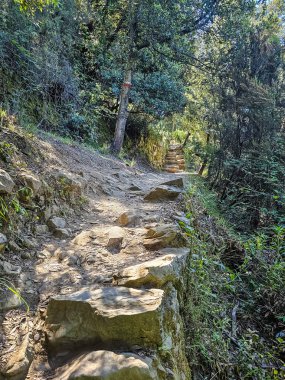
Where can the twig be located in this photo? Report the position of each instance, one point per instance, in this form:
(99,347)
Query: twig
(234,321)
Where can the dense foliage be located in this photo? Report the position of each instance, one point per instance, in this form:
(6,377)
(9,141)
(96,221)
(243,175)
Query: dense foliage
(62,63)
(243,109)
(234,314)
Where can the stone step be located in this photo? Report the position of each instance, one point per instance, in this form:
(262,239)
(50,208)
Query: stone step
(164,235)
(171,157)
(106,317)
(177,182)
(107,365)
(174,146)
(171,154)
(173,150)
(171,162)
(171,166)
(155,273)
(174,159)
(172,170)
(162,193)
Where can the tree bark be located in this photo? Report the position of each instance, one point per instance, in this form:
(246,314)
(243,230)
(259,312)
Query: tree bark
(202,168)
(205,162)
(186,140)
(122,113)
(126,87)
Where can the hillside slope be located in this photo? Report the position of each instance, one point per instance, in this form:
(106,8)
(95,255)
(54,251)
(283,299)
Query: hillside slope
(88,220)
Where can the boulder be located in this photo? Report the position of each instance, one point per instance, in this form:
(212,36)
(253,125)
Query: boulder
(155,273)
(164,235)
(177,182)
(83,238)
(6,183)
(162,193)
(153,218)
(28,242)
(133,247)
(61,233)
(41,229)
(32,181)
(105,236)
(120,317)
(19,363)
(13,246)
(115,237)
(3,242)
(69,184)
(56,222)
(9,301)
(106,365)
(134,188)
(129,218)
(9,268)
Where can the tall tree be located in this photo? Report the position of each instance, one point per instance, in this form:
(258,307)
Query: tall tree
(164,28)
(244,105)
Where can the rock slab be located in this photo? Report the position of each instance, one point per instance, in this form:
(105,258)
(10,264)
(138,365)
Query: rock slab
(120,317)
(106,365)
(31,181)
(19,363)
(155,273)
(115,237)
(163,193)
(6,183)
(177,182)
(164,235)
(56,222)
(129,218)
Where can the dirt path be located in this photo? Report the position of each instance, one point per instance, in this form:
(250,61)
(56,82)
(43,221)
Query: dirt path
(85,257)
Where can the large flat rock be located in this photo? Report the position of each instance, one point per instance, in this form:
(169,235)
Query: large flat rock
(163,193)
(19,362)
(164,235)
(176,182)
(155,273)
(106,317)
(106,365)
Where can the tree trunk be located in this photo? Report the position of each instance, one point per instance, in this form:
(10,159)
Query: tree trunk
(204,163)
(126,87)
(202,168)
(123,113)
(186,140)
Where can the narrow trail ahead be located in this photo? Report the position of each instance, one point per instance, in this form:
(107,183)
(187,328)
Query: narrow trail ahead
(117,228)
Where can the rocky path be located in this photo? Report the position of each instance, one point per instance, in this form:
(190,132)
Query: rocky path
(104,286)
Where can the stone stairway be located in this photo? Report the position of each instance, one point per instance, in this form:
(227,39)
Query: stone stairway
(131,329)
(174,160)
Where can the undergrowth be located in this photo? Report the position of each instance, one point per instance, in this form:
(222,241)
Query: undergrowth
(234,314)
